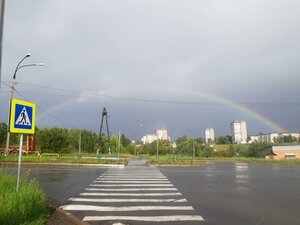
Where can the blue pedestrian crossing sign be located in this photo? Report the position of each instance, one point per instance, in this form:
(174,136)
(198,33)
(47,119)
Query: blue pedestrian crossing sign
(22,117)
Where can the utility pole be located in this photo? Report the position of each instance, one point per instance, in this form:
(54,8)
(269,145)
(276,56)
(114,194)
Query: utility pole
(193,149)
(2,6)
(119,148)
(104,114)
(157,146)
(79,142)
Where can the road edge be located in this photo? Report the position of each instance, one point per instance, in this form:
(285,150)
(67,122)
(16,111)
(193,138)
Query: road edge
(59,216)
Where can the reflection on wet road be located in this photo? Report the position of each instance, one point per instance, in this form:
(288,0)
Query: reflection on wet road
(223,193)
(241,193)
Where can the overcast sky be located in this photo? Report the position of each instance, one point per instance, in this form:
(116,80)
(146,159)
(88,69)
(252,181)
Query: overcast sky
(176,64)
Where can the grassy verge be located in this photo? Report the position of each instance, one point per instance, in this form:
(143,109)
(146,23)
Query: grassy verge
(170,162)
(257,160)
(61,159)
(200,161)
(162,160)
(28,206)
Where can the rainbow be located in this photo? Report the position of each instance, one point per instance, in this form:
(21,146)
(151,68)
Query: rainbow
(178,90)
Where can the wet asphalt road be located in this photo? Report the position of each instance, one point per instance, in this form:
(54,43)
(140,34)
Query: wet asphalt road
(59,182)
(222,193)
(241,193)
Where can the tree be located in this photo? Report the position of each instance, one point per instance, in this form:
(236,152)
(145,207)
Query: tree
(53,140)
(124,141)
(3,134)
(255,149)
(206,151)
(224,140)
(289,139)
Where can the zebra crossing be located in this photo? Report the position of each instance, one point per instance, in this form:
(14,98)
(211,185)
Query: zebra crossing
(131,194)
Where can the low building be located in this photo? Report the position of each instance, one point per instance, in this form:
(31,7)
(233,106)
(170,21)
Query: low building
(254,138)
(281,152)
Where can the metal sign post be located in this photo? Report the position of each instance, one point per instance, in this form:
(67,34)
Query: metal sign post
(22,120)
(19,162)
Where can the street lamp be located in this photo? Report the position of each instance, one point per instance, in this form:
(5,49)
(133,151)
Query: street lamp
(135,136)
(19,66)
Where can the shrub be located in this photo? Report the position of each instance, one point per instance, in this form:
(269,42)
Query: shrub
(28,206)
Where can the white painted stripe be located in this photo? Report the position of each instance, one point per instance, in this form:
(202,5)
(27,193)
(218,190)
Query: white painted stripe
(130,194)
(131,189)
(112,200)
(123,208)
(163,179)
(132,175)
(146,218)
(132,182)
(131,185)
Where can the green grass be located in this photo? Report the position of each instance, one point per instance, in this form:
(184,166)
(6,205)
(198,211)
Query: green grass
(71,158)
(162,159)
(28,206)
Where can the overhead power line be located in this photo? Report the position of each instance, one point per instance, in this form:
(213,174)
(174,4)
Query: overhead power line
(43,110)
(199,103)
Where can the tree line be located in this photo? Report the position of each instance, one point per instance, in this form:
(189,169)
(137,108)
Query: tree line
(62,140)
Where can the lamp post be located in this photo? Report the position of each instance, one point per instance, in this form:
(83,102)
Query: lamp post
(19,66)
(135,136)
(193,149)
(157,140)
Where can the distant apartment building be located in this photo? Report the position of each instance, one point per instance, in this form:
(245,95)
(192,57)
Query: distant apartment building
(161,134)
(209,134)
(239,132)
(272,137)
(149,138)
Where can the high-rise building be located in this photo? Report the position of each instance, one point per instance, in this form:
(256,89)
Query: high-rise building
(162,134)
(209,134)
(239,132)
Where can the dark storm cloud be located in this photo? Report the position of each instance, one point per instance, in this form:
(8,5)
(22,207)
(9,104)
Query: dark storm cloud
(246,51)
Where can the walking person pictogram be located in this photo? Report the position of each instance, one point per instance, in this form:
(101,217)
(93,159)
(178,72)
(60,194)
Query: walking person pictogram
(23,120)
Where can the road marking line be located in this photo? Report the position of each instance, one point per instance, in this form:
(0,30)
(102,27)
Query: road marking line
(140,179)
(127,200)
(132,175)
(131,185)
(131,189)
(132,182)
(123,208)
(128,175)
(146,218)
(130,194)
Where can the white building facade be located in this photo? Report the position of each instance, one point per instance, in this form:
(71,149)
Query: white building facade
(271,137)
(209,135)
(149,138)
(239,132)
(161,134)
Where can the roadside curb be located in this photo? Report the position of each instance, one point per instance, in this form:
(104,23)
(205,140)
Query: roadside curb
(171,165)
(68,164)
(61,217)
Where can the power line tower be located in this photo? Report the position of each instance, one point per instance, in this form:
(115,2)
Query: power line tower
(101,139)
